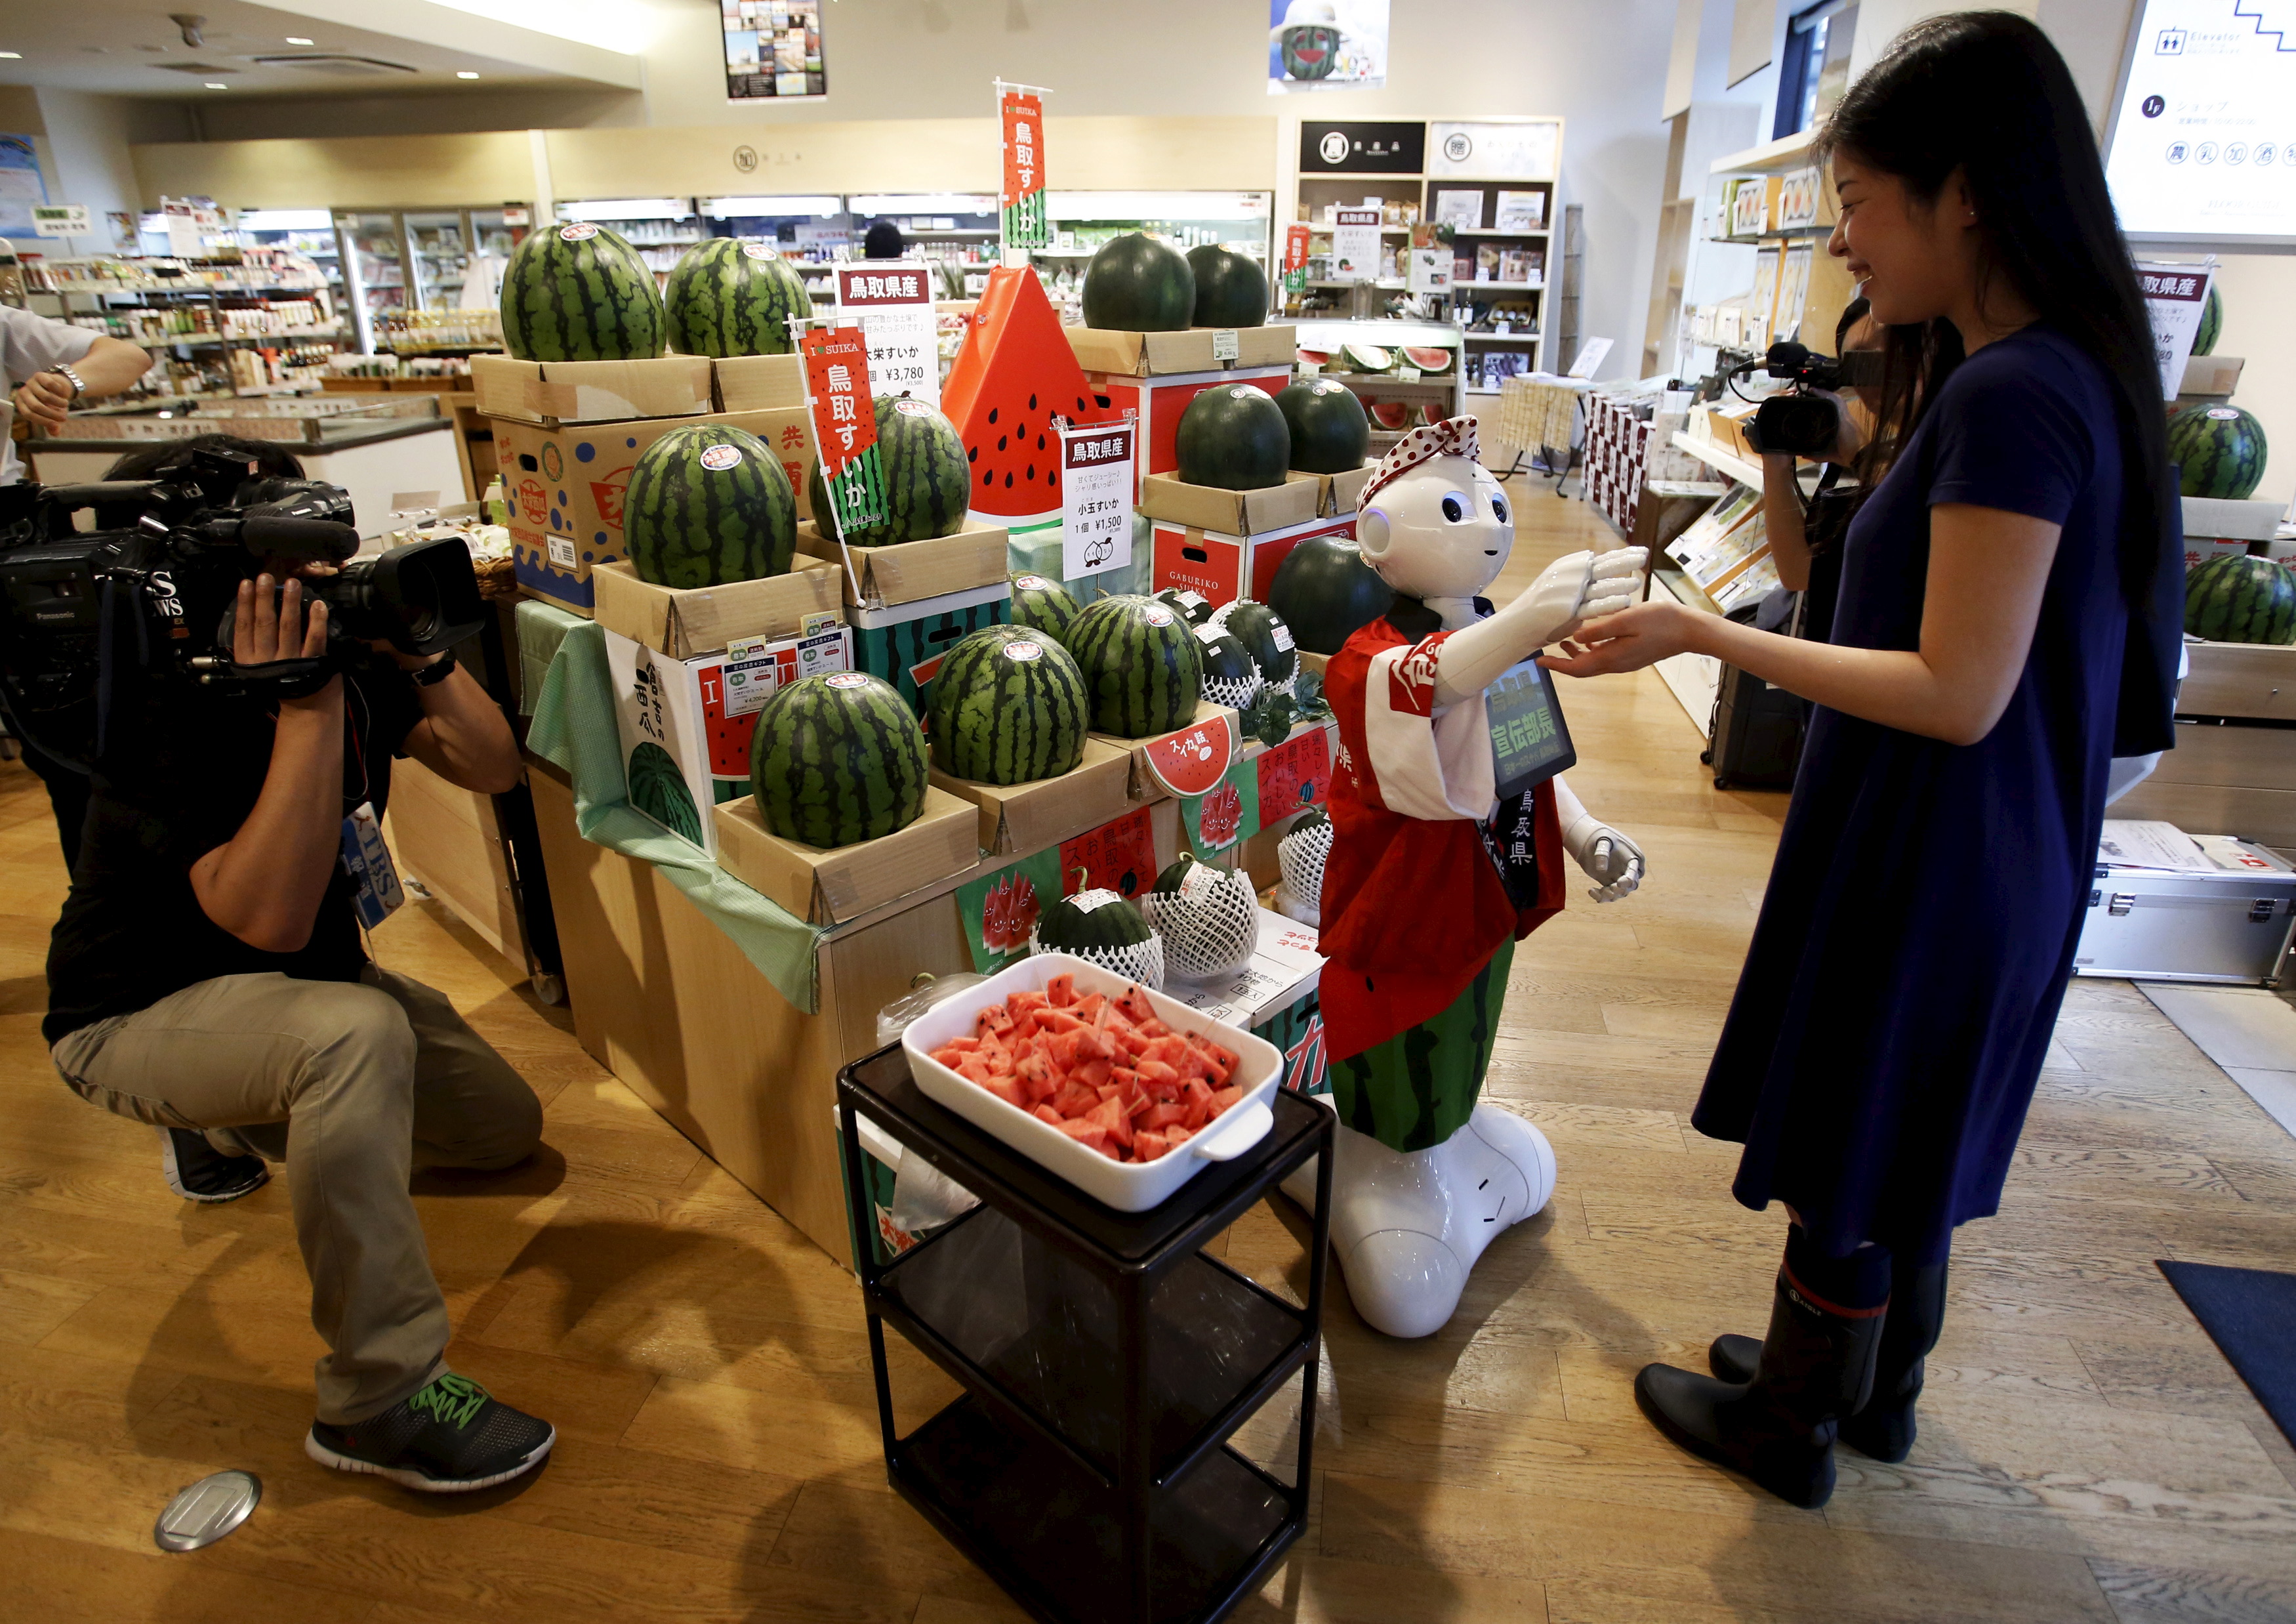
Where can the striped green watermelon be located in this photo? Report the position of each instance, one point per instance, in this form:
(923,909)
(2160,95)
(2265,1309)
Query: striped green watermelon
(2240,598)
(927,482)
(836,760)
(2211,329)
(708,505)
(1042,605)
(727,298)
(1008,707)
(1234,436)
(657,788)
(2218,450)
(1330,432)
(1142,663)
(1101,928)
(1136,285)
(579,292)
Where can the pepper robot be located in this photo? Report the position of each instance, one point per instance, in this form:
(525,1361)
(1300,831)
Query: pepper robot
(1433,876)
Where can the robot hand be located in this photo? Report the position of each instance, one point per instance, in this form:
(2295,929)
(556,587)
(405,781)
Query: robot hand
(1610,860)
(1578,588)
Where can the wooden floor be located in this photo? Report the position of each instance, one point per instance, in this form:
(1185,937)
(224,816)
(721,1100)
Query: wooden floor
(2084,1453)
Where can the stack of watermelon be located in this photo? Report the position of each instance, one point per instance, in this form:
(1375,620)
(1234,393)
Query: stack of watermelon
(2218,451)
(1136,285)
(708,505)
(836,760)
(1233,437)
(1141,661)
(1105,1071)
(1008,707)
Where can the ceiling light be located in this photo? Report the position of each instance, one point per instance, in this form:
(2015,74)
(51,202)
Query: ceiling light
(297,39)
(218,85)
(12,55)
(466,74)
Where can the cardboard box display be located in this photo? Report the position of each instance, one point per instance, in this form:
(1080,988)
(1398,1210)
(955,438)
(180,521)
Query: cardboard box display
(912,571)
(758,383)
(683,622)
(1224,568)
(1192,350)
(830,888)
(554,394)
(2211,378)
(1024,817)
(905,642)
(692,710)
(1343,492)
(565,487)
(2216,528)
(1171,499)
(1157,402)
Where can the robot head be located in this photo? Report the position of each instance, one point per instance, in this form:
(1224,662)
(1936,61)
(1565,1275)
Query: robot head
(1433,522)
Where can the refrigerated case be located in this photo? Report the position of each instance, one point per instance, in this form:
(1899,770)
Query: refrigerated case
(660,229)
(809,230)
(1084,221)
(308,232)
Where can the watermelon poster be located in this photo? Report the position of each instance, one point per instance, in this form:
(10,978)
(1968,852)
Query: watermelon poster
(1120,857)
(1229,814)
(1327,45)
(1000,909)
(1022,215)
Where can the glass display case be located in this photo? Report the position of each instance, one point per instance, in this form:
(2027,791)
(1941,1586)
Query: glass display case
(308,232)
(374,272)
(1083,221)
(1390,367)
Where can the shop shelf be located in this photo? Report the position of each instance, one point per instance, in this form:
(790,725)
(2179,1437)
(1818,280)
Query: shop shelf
(1724,462)
(1050,1535)
(1442,381)
(1486,231)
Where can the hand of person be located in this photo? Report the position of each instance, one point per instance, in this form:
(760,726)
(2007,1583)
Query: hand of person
(1635,637)
(1609,859)
(1576,586)
(267,628)
(45,399)
(403,661)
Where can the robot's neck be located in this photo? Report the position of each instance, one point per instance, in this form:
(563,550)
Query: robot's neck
(1458,612)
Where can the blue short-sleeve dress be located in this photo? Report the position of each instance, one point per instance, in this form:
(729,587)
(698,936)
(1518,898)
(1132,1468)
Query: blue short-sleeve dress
(1920,923)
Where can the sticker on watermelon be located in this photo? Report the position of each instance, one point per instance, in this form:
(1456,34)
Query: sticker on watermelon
(1189,761)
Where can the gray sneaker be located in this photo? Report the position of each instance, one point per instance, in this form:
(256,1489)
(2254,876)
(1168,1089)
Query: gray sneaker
(199,1172)
(448,1437)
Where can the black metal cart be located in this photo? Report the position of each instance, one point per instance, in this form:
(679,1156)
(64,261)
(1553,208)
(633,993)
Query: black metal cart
(1107,1363)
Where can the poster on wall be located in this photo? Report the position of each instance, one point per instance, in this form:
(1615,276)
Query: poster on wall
(2202,144)
(1327,45)
(20,186)
(773,49)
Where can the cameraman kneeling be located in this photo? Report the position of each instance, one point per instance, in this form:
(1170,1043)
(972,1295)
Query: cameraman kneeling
(208,975)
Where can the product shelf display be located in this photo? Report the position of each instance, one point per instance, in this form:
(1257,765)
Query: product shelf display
(265,319)
(1376,360)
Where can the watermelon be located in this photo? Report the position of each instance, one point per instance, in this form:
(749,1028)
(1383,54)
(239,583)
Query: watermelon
(1330,433)
(926,487)
(1391,414)
(1136,285)
(1428,361)
(2240,598)
(2211,328)
(1231,289)
(1232,436)
(1016,369)
(1100,928)
(706,506)
(1142,663)
(726,298)
(1368,358)
(1007,706)
(1207,917)
(836,760)
(579,292)
(657,788)
(1192,604)
(1231,676)
(1323,591)
(1265,638)
(1315,357)
(1043,606)
(2219,450)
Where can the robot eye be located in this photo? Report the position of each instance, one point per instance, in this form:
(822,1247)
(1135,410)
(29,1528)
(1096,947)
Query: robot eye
(1498,508)
(1454,510)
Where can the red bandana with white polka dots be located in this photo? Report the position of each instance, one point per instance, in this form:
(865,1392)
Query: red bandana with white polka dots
(1453,436)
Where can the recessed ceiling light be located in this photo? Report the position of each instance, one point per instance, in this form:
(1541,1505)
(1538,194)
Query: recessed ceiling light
(218,85)
(466,74)
(297,39)
(12,55)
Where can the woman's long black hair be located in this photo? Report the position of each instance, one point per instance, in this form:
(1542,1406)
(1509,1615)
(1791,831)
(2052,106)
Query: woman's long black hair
(1985,93)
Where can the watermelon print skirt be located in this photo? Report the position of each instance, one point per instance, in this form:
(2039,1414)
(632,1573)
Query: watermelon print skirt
(1418,1088)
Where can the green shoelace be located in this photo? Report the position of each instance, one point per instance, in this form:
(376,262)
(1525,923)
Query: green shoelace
(451,1398)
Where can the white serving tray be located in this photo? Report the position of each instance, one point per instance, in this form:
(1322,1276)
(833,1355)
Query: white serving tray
(1126,1187)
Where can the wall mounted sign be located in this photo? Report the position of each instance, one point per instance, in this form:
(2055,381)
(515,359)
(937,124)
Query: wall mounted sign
(1495,151)
(1392,148)
(773,53)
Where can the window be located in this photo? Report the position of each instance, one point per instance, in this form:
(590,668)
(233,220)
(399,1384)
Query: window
(1815,68)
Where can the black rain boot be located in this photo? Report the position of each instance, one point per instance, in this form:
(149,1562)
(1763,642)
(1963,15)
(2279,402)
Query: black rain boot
(1884,1430)
(1816,1366)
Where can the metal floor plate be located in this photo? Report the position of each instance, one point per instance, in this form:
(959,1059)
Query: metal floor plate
(207,1510)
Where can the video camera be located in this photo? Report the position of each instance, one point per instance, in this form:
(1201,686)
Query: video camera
(154,588)
(1800,421)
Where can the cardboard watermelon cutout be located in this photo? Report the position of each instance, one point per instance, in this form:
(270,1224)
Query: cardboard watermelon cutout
(1015,373)
(1191,760)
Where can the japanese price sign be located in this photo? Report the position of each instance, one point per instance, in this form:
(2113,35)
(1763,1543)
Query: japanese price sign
(1096,498)
(1355,245)
(2174,295)
(1119,856)
(1295,258)
(1026,224)
(892,299)
(845,426)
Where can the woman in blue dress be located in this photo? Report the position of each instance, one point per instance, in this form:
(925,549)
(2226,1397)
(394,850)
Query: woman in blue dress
(2009,619)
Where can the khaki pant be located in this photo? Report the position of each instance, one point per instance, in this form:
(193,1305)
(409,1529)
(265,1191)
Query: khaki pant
(353,1084)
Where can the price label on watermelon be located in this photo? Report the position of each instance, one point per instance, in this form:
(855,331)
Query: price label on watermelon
(1120,857)
(845,429)
(1096,497)
(1022,216)
(892,301)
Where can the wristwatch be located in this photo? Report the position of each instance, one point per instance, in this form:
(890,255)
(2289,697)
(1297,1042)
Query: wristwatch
(71,377)
(438,671)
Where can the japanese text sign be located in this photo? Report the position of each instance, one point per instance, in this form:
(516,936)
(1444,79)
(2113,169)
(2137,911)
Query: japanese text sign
(893,301)
(1355,245)
(845,429)
(1295,258)
(1026,224)
(1096,497)
(1295,774)
(1119,856)
(2175,296)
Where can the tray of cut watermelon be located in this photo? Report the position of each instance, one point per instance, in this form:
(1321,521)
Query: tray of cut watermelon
(1123,1092)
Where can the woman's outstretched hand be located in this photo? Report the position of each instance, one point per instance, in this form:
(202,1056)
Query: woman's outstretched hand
(1627,641)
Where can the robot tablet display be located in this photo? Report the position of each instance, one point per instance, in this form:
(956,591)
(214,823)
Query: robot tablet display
(1448,833)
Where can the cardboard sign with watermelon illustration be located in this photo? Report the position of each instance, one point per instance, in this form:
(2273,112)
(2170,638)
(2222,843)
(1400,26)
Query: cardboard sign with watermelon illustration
(1295,774)
(998,910)
(1190,760)
(1228,813)
(1120,857)
(1014,375)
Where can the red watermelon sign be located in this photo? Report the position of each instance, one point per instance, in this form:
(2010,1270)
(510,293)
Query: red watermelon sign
(1190,761)
(1295,774)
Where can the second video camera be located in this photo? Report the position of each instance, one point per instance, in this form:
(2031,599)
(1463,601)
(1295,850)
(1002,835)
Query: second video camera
(1801,422)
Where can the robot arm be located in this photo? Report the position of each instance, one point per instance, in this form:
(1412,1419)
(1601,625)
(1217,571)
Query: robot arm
(1614,863)
(1567,591)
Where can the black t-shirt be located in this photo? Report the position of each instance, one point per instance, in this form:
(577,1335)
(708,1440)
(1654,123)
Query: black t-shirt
(182,773)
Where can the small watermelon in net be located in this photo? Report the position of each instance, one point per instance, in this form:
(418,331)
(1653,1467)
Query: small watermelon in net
(1142,663)
(1043,606)
(579,292)
(1427,360)
(1195,605)
(1008,707)
(926,485)
(2241,599)
(657,788)
(837,760)
(1207,917)
(728,298)
(706,506)
(2218,450)
(1231,675)
(1015,370)
(1265,638)
(1100,928)
(1392,414)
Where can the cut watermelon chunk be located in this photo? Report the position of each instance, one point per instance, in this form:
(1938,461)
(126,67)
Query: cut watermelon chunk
(1317,358)
(1427,360)
(1015,372)
(1369,357)
(1390,414)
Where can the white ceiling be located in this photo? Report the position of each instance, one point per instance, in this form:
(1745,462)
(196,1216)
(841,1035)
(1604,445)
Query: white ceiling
(121,48)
